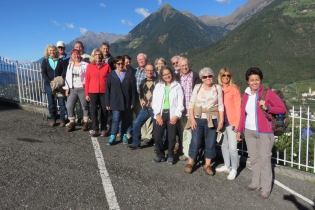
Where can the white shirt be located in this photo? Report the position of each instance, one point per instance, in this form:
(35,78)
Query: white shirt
(250,109)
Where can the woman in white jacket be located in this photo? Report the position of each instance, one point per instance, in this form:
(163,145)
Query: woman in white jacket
(167,105)
(74,86)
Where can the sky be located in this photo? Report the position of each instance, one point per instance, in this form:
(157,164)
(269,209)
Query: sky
(27,26)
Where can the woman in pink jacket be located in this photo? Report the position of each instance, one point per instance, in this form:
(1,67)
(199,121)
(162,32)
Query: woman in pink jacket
(258,130)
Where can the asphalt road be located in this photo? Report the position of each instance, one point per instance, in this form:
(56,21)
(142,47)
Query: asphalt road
(47,168)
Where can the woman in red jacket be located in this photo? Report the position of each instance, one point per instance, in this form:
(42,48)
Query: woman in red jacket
(95,82)
(258,130)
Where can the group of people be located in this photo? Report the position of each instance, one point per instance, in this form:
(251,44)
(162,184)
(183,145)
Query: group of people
(170,106)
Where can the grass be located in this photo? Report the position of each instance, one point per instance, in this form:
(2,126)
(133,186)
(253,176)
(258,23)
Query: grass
(295,10)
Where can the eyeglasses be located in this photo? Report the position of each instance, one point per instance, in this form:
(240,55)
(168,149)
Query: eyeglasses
(119,64)
(226,75)
(61,47)
(175,63)
(208,76)
(149,70)
(166,74)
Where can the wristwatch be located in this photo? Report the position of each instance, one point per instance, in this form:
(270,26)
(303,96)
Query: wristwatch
(267,108)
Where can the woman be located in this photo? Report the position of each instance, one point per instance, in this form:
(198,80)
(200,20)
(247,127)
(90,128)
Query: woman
(167,105)
(159,64)
(51,68)
(95,82)
(258,130)
(232,113)
(74,86)
(206,118)
(120,99)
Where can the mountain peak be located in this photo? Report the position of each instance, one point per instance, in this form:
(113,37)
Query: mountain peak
(165,8)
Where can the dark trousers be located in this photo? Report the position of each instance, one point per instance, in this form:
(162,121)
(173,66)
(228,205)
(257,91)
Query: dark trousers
(98,99)
(52,105)
(158,136)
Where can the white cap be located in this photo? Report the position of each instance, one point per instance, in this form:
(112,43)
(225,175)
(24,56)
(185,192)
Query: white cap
(60,44)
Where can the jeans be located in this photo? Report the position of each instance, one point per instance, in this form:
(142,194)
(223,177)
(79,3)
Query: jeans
(229,147)
(143,115)
(52,105)
(209,134)
(126,120)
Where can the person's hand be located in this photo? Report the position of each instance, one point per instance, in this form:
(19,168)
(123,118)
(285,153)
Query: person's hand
(87,98)
(220,126)
(173,120)
(107,107)
(131,106)
(262,104)
(67,92)
(159,120)
(193,123)
(142,102)
(238,137)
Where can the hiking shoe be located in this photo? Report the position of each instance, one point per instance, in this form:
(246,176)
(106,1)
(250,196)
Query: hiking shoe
(208,170)
(264,195)
(158,160)
(103,133)
(71,127)
(125,140)
(232,174)
(85,126)
(170,161)
(133,147)
(52,123)
(251,188)
(62,124)
(223,169)
(93,133)
(183,158)
(111,140)
(118,136)
(188,168)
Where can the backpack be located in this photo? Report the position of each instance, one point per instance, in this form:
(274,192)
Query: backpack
(278,127)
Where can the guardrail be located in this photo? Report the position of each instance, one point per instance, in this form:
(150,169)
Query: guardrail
(23,83)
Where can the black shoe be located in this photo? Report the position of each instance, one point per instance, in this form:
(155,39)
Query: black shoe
(158,160)
(132,147)
(170,161)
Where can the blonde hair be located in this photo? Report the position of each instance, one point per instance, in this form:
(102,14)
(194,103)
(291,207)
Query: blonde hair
(93,53)
(46,53)
(221,72)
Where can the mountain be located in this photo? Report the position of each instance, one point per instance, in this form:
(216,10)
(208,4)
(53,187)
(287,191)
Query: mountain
(165,33)
(93,40)
(240,15)
(280,40)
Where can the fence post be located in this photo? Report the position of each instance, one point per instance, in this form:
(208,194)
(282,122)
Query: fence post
(18,80)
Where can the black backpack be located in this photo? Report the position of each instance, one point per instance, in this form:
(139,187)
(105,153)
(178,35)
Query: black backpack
(279,126)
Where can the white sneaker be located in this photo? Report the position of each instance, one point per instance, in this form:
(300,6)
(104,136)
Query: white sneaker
(223,169)
(232,175)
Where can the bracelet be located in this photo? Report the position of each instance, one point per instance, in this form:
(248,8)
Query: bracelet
(221,120)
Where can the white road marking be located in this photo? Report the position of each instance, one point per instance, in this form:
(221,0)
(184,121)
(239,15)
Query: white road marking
(107,184)
(293,192)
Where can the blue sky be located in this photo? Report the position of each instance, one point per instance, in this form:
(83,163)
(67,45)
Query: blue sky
(28,26)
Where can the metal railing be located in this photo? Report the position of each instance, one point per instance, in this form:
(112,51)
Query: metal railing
(23,83)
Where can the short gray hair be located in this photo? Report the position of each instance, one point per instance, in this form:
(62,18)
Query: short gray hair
(206,70)
(175,56)
(160,59)
(145,56)
(182,58)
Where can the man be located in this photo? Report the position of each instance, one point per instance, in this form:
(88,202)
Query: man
(188,79)
(147,128)
(146,90)
(108,58)
(78,45)
(174,61)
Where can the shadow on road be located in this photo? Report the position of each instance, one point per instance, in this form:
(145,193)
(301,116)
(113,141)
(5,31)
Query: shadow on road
(295,202)
(30,140)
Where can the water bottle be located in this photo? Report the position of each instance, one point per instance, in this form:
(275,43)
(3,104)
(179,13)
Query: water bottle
(280,119)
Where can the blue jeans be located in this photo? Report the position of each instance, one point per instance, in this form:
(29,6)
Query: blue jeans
(209,134)
(52,105)
(126,120)
(143,115)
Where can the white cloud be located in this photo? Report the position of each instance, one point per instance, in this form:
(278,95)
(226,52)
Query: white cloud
(142,11)
(123,21)
(55,22)
(70,25)
(83,30)
(224,1)
(102,5)
(159,2)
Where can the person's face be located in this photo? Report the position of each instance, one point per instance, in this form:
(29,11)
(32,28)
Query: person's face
(61,50)
(79,47)
(76,57)
(52,52)
(167,76)
(119,65)
(175,63)
(184,67)
(226,78)
(142,61)
(159,65)
(254,82)
(98,57)
(127,63)
(207,79)
(149,71)
(105,50)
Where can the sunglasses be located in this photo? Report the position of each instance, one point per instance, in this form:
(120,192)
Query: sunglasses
(119,64)
(208,76)
(226,75)
(175,63)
